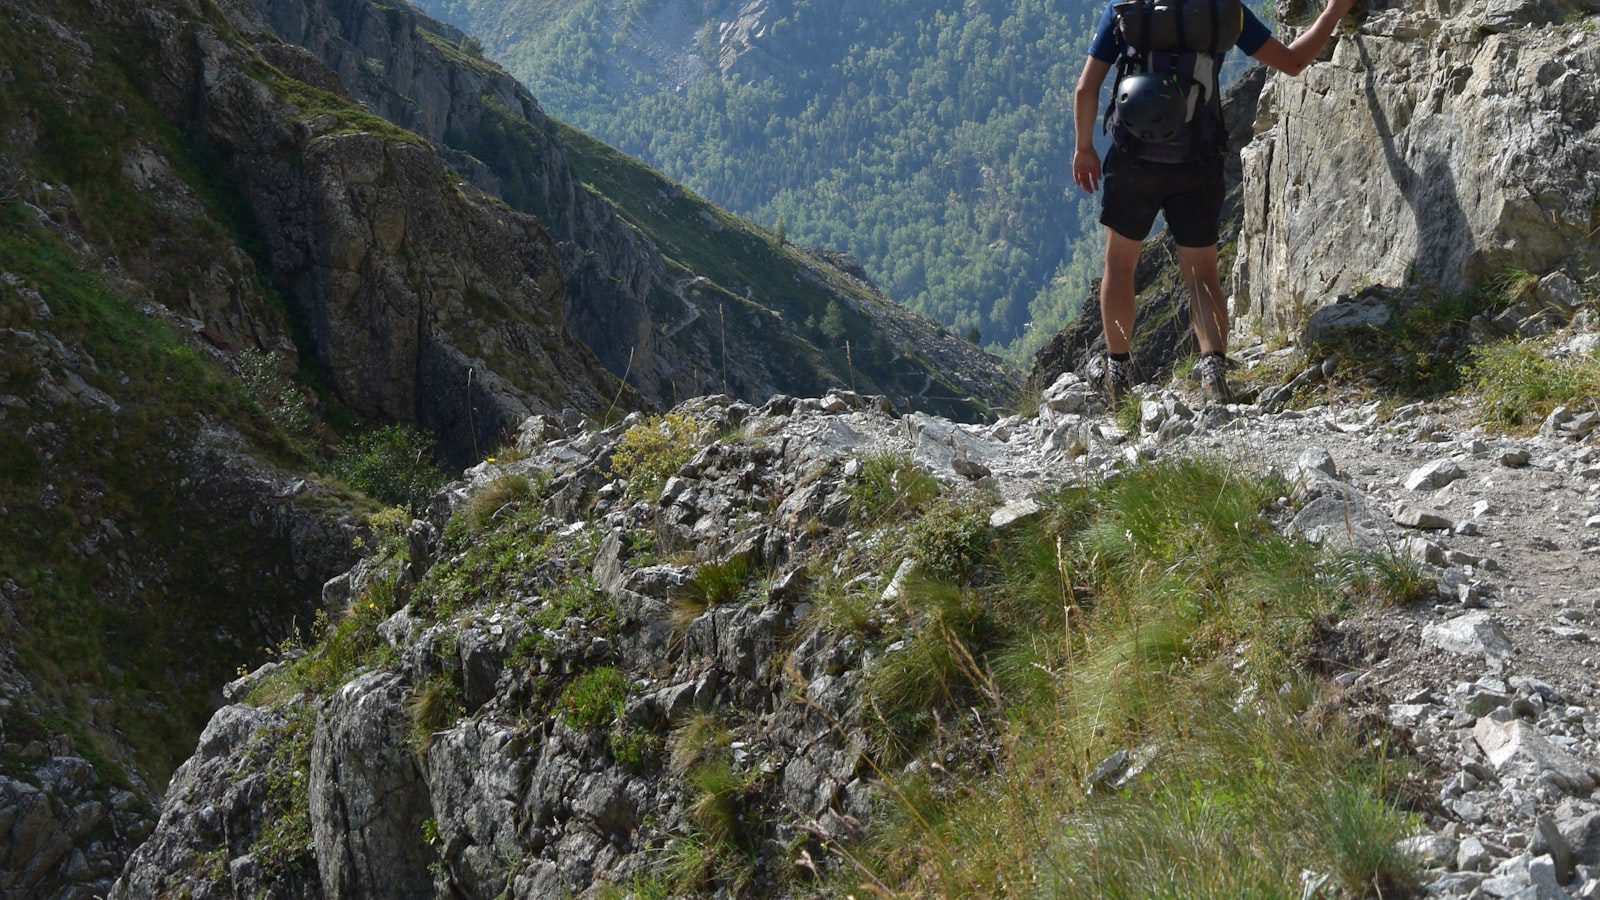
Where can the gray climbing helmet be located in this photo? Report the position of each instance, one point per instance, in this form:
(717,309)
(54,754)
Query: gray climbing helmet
(1152,108)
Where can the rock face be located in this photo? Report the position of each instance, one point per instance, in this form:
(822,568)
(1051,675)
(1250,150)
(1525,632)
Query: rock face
(408,70)
(661,330)
(424,303)
(1439,145)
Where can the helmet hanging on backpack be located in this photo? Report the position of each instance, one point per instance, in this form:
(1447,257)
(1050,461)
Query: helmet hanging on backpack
(1152,108)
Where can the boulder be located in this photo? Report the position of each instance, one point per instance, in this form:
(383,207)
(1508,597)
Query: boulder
(1434,475)
(1516,747)
(1473,634)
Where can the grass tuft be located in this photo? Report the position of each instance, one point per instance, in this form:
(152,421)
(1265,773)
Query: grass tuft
(891,487)
(714,583)
(435,706)
(699,740)
(1128,413)
(1520,386)
(1157,613)
(481,508)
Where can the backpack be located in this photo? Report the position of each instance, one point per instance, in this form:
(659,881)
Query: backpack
(1183,42)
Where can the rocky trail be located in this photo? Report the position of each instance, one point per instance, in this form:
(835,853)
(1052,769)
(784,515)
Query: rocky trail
(1493,683)
(1488,682)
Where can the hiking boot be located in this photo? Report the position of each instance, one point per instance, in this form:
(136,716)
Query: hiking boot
(1116,380)
(1213,374)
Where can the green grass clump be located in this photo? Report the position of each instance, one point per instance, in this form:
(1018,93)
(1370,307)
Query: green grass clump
(936,669)
(482,568)
(480,509)
(594,698)
(1160,612)
(1520,386)
(654,450)
(714,583)
(393,464)
(1419,354)
(1393,579)
(1242,801)
(700,739)
(352,117)
(891,487)
(844,610)
(581,598)
(435,706)
(1128,413)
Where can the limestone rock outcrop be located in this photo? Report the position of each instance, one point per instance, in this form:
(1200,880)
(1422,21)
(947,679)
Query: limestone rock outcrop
(1439,145)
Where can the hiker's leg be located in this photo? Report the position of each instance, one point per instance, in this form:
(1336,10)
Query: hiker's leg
(1116,291)
(1208,308)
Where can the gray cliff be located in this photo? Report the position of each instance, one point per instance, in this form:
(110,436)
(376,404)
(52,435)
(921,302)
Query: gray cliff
(1439,145)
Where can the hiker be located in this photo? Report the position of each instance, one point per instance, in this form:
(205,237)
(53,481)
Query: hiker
(1168,144)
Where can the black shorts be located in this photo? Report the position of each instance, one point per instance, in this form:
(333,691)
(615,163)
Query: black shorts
(1188,193)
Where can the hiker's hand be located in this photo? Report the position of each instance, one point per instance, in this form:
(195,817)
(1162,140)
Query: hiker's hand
(1341,8)
(1086,165)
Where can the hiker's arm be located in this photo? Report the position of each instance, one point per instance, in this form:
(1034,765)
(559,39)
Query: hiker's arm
(1294,58)
(1085,110)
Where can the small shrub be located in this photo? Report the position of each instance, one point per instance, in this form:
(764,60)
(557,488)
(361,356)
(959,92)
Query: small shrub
(632,748)
(594,698)
(1520,386)
(952,541)
(393,464)
(434,708)
(267,382)
(389,529)
(890,487)
(652,451)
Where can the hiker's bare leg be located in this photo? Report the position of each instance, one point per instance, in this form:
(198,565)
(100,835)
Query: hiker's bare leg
(1208,307)
(1116,291)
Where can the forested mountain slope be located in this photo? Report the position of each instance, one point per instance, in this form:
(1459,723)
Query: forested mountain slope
(931,138)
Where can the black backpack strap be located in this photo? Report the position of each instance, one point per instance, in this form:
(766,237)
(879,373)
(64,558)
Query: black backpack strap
(1122,70)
